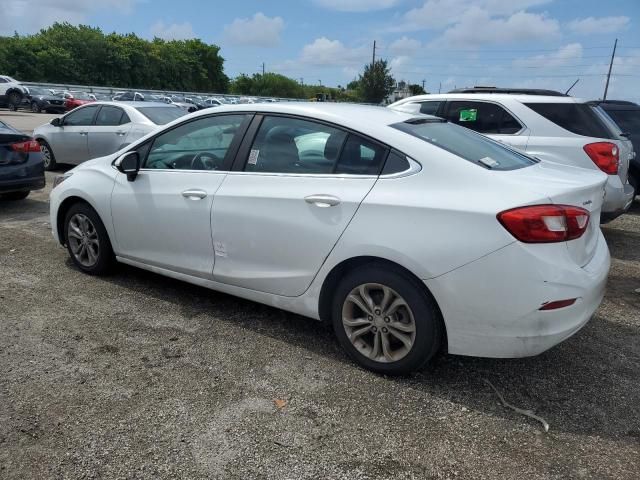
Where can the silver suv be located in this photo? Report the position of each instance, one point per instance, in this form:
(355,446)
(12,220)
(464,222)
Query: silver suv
(548,126)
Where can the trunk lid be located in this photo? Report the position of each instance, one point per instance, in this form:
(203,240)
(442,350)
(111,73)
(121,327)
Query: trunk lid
(565,185)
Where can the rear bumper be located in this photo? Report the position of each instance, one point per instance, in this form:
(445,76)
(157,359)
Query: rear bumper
(24,176)
(617,199)
(491,306)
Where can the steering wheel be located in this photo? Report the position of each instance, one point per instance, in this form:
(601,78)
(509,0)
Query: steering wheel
(204,161)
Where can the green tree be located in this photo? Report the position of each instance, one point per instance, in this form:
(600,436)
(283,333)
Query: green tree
(376,82)
(416,89)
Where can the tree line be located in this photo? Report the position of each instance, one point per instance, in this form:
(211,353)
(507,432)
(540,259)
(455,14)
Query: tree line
(84,55)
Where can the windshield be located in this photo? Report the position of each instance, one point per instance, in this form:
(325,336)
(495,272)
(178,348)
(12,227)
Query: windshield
(465,143)
(161,115)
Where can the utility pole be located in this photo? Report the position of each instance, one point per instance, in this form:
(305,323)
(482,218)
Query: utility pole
(423,82)
(606,87)
(439,87)
(262,68)
(373,60)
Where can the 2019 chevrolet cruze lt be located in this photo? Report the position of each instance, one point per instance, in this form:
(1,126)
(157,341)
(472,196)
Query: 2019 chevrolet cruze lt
(407,232)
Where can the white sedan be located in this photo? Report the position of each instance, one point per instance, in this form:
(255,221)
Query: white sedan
(407,233)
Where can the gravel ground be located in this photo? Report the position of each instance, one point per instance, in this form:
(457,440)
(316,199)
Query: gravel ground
(139,376)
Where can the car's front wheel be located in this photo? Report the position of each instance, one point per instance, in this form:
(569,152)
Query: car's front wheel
(385,320)
(35,107)
(87,240)
(47,155)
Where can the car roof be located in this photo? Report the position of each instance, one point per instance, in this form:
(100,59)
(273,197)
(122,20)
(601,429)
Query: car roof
(511,91)
(500,97)
(131,104)
(616,104)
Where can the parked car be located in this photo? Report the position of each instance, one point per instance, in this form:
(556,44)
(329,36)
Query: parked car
(11,92)
(99,129)
(42,100)
(626,115)
(129,97)
(76,99)
(546,125)
(212,102)
(354,215)
(180,102)
(21,165)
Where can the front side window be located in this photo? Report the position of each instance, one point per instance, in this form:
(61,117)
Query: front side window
(109,116)
(290,145)
(198,145)
(482,117)
(465,144)
(80,117)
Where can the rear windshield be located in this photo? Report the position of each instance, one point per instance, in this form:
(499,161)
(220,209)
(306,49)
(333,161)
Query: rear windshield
(466,144)
(161,115)
(578,118)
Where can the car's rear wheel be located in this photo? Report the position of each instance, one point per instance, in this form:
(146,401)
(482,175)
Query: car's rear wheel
(47,155)
(385,320)
(15,99)
(15,195)
(35,107)
(87,240)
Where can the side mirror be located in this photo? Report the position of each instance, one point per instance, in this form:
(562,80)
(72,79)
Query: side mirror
(56,122)
(129,164)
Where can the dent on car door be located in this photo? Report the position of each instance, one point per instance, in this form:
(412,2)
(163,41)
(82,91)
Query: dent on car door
(277,219)
(162,218)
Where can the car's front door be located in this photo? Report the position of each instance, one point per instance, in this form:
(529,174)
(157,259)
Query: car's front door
(69,141)
(276,220)
(109,132)
(163,217)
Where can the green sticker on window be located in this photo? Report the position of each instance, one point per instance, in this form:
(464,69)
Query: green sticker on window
(470,115)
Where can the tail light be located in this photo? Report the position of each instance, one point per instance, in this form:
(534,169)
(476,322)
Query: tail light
(545,223)
(26,147)
(605,155)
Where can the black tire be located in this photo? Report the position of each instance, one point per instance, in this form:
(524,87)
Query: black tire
(428,323)
(105,258)
(15,195)
(35,107)
(47,156)
(15,99)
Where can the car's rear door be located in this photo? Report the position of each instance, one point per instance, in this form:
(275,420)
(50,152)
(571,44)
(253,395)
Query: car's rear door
(295,187)
(109,131)
(70,140)
(163,217)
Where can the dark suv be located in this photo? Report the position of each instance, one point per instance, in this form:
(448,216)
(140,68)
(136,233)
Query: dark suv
(627,117)
(21,164)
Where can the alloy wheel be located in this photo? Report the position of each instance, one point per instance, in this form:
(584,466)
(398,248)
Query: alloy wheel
(83,240)
(46,155)
(378,322)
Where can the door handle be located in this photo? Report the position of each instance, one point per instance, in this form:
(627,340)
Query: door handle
(194,194)
(84,133)
(322,201)
(121,133)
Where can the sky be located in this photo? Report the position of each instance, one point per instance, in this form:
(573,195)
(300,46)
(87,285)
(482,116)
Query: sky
(445,43)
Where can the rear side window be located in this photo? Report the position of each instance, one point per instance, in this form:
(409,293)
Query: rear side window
(578,118)
(465,144)
(627,120)
(162,115)
(109,116)
(360,157)
(483,117)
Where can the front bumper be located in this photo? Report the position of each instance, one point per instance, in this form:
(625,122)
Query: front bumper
(24,176)
(491,306)
(617,199)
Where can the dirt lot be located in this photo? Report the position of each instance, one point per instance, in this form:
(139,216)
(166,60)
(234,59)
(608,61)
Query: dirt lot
(139,376)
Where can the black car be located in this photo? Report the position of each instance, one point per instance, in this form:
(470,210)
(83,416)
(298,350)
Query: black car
(40,100)
(627,117)
(21,164)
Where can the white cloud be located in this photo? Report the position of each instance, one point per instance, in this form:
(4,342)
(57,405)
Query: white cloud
(258,31)
(563,56)
(405,46)
(323,51)
(438,14)
(357,5)
(476,27)
(29,16)
(592,25)
(175,31)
